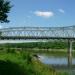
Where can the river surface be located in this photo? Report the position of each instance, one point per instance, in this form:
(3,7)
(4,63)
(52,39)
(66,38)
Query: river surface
(64,64)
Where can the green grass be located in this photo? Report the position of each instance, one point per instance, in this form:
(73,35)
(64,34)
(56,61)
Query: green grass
(17,59)
(23,63)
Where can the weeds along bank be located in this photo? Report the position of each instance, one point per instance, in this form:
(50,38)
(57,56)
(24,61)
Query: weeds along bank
(23,63)
(16,59)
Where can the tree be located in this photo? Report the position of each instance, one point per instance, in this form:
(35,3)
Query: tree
(4,10)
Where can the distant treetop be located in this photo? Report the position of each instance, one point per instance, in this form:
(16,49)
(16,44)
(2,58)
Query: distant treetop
(4,10)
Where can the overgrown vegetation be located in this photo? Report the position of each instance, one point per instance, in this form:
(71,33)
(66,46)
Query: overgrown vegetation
(17,59)
(23,63)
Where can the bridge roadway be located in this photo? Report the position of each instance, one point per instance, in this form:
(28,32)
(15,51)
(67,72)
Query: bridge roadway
(33,38)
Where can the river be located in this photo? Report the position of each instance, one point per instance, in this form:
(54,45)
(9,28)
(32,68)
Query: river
(61,64)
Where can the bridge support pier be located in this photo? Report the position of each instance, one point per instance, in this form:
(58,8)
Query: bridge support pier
(69,53)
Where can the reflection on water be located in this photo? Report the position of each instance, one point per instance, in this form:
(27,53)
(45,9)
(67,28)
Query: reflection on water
(59,63)
(53,60)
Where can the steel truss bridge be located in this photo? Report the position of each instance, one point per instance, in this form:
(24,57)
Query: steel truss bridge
(41,33)
(38,33)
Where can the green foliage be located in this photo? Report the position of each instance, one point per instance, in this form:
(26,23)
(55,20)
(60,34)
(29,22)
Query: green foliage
(9,68)
(39,45)
(4,10)
(0,33)
(22,63)
(10,50)
(26,55)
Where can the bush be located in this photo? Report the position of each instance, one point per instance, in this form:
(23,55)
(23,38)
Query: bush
(10,50)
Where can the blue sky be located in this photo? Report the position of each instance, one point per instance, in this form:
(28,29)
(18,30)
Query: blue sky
(41,13)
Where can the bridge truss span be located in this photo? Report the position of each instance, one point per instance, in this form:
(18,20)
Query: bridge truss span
(38,32)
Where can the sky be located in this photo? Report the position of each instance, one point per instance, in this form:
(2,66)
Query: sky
(41,13)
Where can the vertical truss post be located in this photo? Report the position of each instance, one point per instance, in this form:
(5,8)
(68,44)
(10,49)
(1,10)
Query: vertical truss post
(69,53)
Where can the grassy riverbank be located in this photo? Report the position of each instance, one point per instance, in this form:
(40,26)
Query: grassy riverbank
(17,59)
(23,63)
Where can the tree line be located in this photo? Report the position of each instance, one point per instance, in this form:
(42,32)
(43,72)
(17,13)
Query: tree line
(39,45)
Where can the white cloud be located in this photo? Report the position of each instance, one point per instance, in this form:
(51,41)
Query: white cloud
(46,14)
(61,10)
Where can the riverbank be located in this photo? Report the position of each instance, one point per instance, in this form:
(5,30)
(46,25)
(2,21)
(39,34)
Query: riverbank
(23,63)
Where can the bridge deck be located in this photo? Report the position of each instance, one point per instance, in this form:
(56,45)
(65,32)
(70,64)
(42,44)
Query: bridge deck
(23,37)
